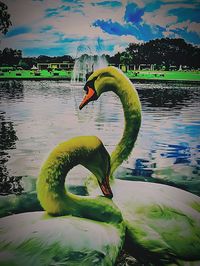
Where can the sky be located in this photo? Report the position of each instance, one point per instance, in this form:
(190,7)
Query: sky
(73,27)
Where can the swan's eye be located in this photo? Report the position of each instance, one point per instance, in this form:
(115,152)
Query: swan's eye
(90,96)
(90,83)
(86,88)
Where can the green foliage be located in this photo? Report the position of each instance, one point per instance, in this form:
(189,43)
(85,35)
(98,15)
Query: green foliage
(13,57)
(10,57)
(161,52)
(5,22)
(166,52)
(54,59)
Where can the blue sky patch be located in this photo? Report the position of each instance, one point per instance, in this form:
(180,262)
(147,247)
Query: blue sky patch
(18,31)
(189,36)
(51,12)
(73,1)
(192,14)
(133,13)
(142,32)
(108,4)
(46,28)
(151,7)
(60,50)
(71,40)
(113,28)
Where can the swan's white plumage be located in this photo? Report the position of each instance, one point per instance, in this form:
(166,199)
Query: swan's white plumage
(163,222)
(38,239)
(83,230)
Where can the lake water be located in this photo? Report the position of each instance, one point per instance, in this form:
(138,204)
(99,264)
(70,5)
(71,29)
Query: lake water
(36,115)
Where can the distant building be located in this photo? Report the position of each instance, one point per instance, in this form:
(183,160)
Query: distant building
(173,68)
(63,65)
(146,67)
(6,68)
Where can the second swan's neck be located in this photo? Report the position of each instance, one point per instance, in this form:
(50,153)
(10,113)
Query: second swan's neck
(51,191)
(132,116)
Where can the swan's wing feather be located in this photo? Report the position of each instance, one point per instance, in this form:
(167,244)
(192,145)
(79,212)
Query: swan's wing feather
(161,220)
(33,239)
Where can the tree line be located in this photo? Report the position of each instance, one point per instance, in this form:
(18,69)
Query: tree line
(14,58)
(160,52)
(163,52)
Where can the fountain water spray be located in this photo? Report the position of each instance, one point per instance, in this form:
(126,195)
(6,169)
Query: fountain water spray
(86,64)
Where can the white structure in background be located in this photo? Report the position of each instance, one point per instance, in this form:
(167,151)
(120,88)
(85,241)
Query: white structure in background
(34,68)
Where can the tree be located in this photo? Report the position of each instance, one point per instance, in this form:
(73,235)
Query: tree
(5,22)
(10,57)
(27,62)
(115,60)
(164,52)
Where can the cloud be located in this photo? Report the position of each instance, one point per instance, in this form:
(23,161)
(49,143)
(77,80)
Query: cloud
(158,19)
(194,27)
(170,13)
(188,26)
(119,48)
(105,26)
(192,37)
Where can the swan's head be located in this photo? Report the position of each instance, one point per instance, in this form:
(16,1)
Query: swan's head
(97,160)
(98,82)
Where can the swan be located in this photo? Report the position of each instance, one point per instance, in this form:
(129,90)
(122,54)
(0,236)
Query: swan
(162,221)
(74,230)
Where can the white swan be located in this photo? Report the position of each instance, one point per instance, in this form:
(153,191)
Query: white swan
(163,222)
(75,230)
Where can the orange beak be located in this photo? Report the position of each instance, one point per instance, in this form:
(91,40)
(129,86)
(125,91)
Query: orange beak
(88,97)
(106,189)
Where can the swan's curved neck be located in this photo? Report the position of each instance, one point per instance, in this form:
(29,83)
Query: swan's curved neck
(54,197)
(132,116)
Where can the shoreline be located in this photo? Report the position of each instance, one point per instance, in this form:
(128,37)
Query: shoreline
(134,76)
(132,79)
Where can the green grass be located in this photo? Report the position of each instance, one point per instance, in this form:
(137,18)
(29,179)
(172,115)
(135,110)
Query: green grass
(30,74)
(165,75)
(133,75)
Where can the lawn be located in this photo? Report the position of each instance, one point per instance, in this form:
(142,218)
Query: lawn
(165,75)
(31,74)
(133,75)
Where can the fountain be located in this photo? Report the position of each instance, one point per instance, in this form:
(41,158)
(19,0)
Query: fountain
(86,63)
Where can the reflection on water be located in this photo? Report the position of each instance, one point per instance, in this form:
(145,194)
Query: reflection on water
(37,115)
(168,146)
(8,184)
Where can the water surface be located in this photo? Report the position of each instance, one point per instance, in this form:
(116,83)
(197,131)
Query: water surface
(37,115)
